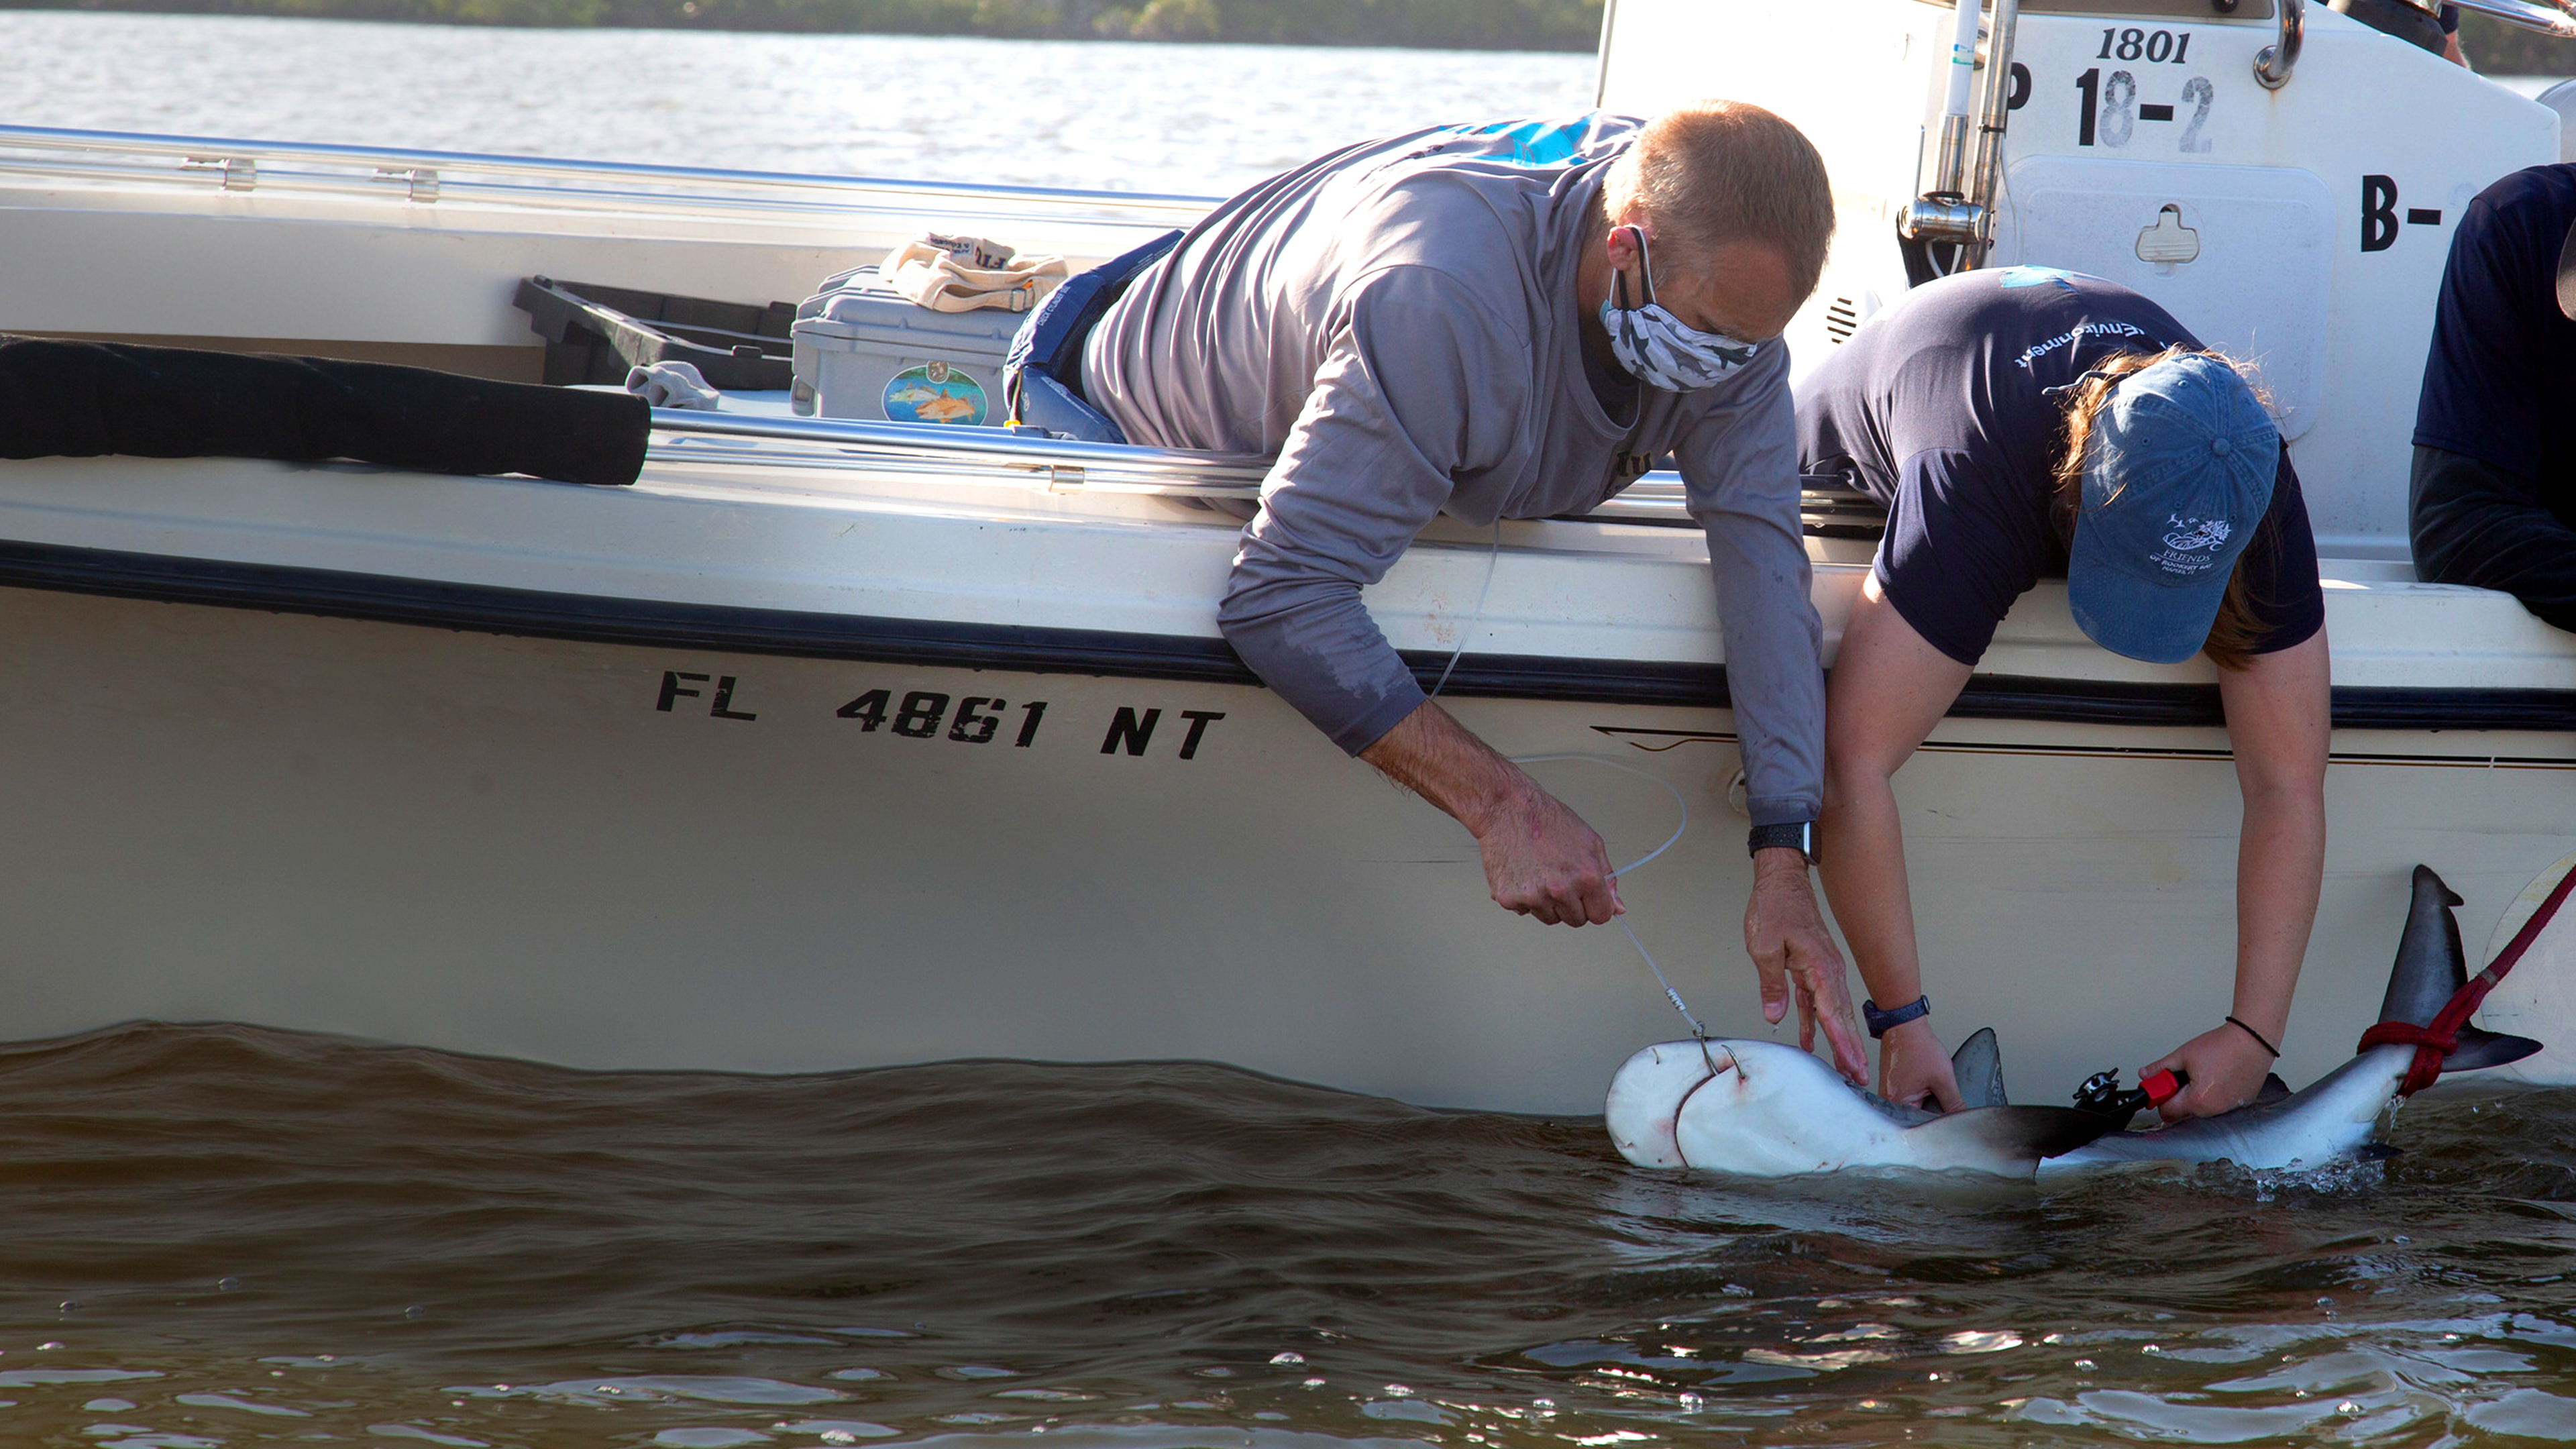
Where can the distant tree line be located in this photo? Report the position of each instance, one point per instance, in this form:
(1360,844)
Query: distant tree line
(2500,49)
(1454,24)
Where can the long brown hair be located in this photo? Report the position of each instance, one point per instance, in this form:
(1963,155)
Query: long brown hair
(2232,634)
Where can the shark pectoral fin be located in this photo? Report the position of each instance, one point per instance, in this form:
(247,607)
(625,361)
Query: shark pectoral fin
(2272,1090)
(1978,1065)
(2480,1048)
(1982,1136)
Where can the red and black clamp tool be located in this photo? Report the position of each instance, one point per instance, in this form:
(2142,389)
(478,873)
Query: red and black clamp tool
(2101,1093)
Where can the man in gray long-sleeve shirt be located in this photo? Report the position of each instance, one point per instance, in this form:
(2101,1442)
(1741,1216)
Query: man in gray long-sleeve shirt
(1510,321)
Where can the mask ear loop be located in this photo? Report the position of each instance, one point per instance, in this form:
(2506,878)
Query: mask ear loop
(1645,271)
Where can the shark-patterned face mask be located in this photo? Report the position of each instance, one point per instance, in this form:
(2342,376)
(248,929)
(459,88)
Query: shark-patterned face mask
(1656,347)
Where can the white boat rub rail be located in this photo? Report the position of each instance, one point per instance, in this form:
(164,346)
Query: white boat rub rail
(428,177)
(158,532)
(664,623)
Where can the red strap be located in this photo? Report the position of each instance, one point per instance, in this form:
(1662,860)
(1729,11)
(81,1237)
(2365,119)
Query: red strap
(2436,1041)
(2431,1045)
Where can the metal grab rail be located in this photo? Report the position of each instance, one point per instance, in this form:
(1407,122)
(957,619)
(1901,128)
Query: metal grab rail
(429,176)
(1994,117)
(2274,62)
(1959,210)
(1061,465)
(986,447)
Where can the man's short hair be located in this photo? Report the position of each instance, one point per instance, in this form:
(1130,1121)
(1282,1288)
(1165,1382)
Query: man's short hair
(1713,173)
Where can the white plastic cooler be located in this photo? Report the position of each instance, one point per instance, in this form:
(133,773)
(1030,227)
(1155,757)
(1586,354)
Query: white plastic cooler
(864,350)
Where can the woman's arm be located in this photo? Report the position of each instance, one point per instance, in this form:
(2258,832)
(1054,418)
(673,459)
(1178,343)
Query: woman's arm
(1889,687)
(2278,720)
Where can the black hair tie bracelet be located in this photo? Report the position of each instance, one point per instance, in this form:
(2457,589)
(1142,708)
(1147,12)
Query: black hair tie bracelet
(2258,1037)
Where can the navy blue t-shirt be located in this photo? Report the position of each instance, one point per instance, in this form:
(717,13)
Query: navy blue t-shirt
(2500,381)
(1935,409)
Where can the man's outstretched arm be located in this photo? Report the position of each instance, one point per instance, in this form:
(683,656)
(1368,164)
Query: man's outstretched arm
(1540,858)
(1368,464)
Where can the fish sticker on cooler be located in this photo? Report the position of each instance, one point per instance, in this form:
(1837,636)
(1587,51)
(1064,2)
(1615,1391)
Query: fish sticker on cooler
(934,392)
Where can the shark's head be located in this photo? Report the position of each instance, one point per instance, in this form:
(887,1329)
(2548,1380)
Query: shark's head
(1646,1097)
(1735,1100)
(2431,968)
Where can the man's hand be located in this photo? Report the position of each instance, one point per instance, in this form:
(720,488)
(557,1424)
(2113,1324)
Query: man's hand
(1914,1071)
(1785,934)
(1541,860)
(2226,1067)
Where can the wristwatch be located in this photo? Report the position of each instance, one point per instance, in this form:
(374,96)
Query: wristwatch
(1881,1022)
(1797,835)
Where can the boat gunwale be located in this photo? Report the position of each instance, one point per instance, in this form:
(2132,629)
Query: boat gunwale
(1016,648)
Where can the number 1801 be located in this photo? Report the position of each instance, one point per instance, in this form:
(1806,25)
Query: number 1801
(2156,47)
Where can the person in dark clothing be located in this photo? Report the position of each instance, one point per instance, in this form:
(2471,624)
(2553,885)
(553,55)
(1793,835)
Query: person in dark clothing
(2493,498)
(2028,422)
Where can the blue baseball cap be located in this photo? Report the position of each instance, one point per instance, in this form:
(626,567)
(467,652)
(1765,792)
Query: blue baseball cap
(2177,473)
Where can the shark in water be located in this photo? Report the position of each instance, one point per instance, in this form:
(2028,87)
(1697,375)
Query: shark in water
(1763,1109)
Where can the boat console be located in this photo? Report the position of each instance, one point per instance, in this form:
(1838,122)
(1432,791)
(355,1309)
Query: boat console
(2280,176)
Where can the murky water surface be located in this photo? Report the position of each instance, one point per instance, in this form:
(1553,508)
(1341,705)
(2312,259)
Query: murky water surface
(1194,119)
(225,1236)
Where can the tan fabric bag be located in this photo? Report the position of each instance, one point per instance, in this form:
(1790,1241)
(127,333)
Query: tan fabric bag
(962,273)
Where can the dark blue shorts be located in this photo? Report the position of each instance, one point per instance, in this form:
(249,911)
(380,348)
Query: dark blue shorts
(1042,374)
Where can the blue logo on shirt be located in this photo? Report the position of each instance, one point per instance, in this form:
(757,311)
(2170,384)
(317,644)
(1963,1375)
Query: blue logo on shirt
(2036,277)
(1540,143)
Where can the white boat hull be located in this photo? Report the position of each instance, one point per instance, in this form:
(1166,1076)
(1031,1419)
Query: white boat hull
(502,845)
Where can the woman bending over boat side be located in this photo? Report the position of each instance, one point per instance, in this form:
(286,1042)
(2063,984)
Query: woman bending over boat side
(2029,422)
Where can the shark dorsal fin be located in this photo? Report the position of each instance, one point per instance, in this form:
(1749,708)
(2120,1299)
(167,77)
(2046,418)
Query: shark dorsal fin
(2272,1090)
(1978,1065)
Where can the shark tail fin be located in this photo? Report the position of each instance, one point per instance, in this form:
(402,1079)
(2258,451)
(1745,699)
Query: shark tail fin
(2431,968)
(2430,965)
(2009,1138)
(1978,1065)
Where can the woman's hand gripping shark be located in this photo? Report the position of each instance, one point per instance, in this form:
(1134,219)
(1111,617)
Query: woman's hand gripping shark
(1762,1109)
